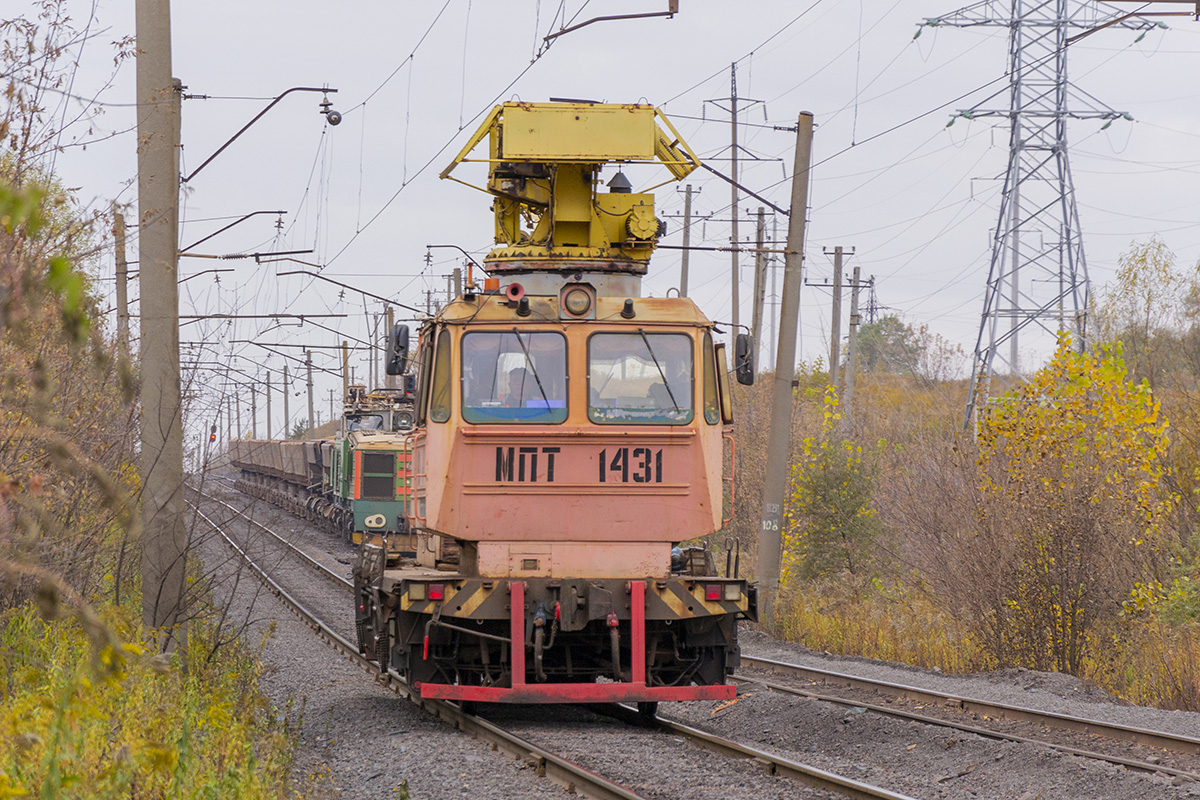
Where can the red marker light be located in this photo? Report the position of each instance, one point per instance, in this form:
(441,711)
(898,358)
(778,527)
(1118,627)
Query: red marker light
(437,591)
(712,591)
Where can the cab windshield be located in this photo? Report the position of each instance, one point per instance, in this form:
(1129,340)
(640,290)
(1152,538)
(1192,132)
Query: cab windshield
(364,422)
(515,376)
(640,378)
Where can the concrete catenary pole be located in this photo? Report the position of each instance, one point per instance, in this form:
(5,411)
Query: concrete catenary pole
(164,535)
(776,476)
(268,385)
(237,404)
(308,366)
(773,327)
(760,278)
(371,362)
(851,355)
(457,283)
(835,329)
(122,283)
(253,412)
(687,241)
(735,245)
(287,417)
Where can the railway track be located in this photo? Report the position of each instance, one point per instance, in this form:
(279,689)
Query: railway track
(573,777)
(982,709)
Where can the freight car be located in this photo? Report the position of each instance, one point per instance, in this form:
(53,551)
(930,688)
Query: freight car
(568,444)
(357,484)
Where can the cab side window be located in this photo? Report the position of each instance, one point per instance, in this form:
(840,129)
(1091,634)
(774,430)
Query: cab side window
(425,367)
(712,409)
(439,401)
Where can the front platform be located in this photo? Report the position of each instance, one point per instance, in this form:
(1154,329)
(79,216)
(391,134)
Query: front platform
(577,693)
(634,690)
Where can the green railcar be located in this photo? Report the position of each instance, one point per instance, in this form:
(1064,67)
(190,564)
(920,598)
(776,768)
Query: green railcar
(369,466)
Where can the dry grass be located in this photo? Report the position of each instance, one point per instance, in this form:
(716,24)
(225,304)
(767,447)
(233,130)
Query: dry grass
(908,611)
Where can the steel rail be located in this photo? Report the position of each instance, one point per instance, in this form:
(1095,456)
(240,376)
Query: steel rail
(1143,736)
(546,763)
(1143,766)
(774,764)
(571,776)
(312,562)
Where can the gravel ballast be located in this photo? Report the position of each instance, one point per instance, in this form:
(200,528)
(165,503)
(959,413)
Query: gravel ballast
(359,740)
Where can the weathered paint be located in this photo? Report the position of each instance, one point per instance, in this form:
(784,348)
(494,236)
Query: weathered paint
(542,483)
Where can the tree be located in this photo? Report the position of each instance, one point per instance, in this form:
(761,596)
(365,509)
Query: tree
(888,346)
(1071,507)
(830,523)
(299,430)
(893,346)
(1151,308)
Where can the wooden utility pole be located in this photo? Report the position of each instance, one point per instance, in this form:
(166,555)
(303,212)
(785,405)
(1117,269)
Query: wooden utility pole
(687,241)
(760,279)
(851,355)
(775,484)
(346,367)
(308,366)
(287,418)
(164,535)
(122,282)
(733,186)
(835,329)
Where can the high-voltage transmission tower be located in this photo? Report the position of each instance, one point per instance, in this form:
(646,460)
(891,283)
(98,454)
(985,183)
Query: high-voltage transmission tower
(1038,276)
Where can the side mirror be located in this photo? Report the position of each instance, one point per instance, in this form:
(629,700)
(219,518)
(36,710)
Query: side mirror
(743,359)
(397,350)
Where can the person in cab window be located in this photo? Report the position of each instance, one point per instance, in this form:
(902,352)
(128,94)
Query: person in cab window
(517,383)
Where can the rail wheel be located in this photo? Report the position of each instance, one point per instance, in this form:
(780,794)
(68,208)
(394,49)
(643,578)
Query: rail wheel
(647,712)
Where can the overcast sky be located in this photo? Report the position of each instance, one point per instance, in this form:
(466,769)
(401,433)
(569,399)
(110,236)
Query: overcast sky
(915,199)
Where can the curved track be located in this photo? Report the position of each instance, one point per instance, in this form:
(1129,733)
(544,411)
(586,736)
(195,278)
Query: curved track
(575,778)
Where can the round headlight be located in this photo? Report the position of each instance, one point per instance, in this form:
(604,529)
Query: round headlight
(578,302)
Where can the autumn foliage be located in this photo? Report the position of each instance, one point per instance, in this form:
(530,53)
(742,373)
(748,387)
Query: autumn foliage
(1071,508)
(1059,533)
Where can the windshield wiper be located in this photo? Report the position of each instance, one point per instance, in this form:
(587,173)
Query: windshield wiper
(658,366)
(532,369)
